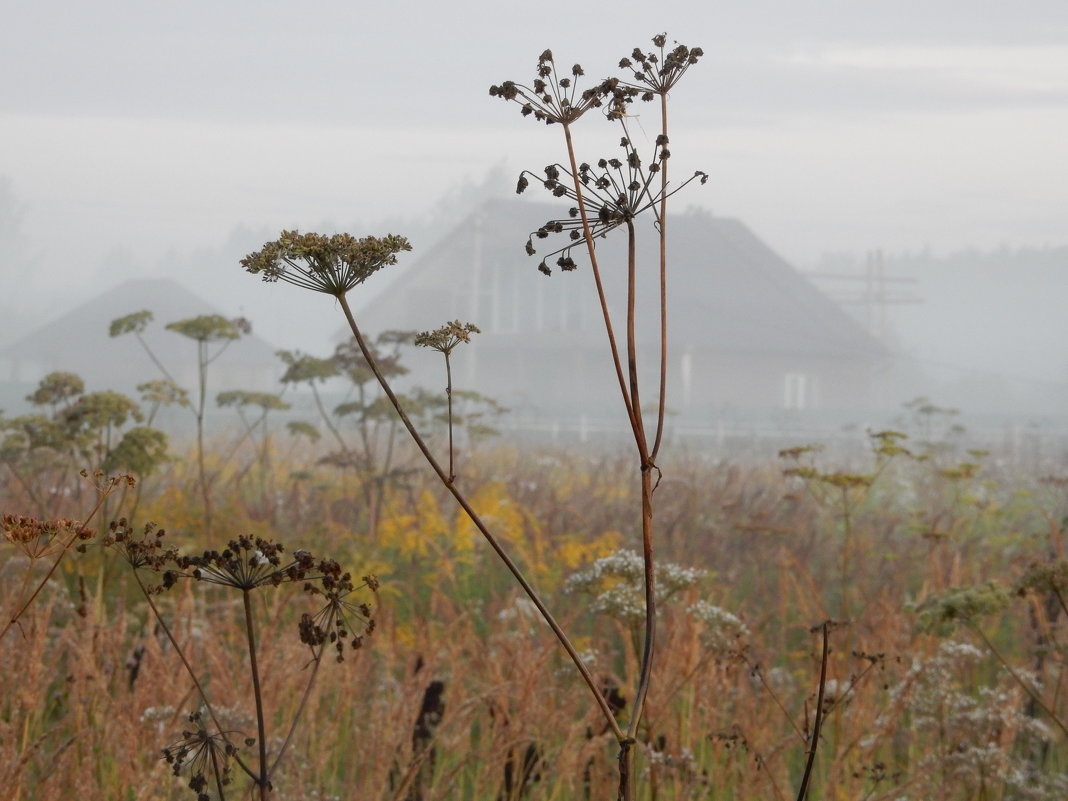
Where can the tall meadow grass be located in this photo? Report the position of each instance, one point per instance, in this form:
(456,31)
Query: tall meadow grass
(933,689)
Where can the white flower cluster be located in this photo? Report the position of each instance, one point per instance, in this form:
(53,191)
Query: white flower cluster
(683,765)
(153,714)
(617,584)
(722,630)
(521,609)
(983,731)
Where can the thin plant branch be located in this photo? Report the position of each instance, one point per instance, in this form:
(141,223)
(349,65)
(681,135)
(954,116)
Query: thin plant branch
(461,499)
(817,723)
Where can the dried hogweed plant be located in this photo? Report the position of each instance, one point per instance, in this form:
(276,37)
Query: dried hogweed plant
(208,751)
(336,264)
(611,195)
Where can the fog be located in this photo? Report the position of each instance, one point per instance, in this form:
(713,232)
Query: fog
(141,142)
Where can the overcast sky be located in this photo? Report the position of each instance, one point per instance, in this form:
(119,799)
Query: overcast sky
(825,125)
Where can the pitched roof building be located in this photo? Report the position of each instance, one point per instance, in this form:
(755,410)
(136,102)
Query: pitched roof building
(747,333)
(78,342)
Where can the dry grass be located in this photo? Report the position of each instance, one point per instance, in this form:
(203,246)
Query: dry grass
(911,714)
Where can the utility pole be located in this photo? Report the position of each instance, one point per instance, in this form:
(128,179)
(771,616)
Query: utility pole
(875,295)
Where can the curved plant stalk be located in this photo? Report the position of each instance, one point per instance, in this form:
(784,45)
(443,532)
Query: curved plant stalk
(448,397)
(817,723)
(591,250)
(629,389)
(661,227)
(461,499)
(555,99)
(261,725)
(628,386)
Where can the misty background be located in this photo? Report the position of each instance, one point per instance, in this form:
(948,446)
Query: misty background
(923,143)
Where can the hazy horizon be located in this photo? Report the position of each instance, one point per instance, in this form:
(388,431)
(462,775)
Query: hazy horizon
(140,140)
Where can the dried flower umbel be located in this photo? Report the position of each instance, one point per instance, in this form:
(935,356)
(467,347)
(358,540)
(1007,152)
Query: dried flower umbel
(146,550)
(445,340)
(330,264)
(339,619)
(553,97)
(205,755)
(40,538)
(447,337)
(614,194)
(656,73)
(246,565)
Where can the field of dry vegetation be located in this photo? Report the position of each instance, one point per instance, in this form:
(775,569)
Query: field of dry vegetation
(938,576)
(304,612)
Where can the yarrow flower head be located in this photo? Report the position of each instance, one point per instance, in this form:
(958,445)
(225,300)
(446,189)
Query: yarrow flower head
(977,726)
(616,584)
(329,264)
(723,631)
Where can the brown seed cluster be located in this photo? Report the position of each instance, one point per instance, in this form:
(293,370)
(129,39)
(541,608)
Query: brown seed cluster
(37,538)
(617,190)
